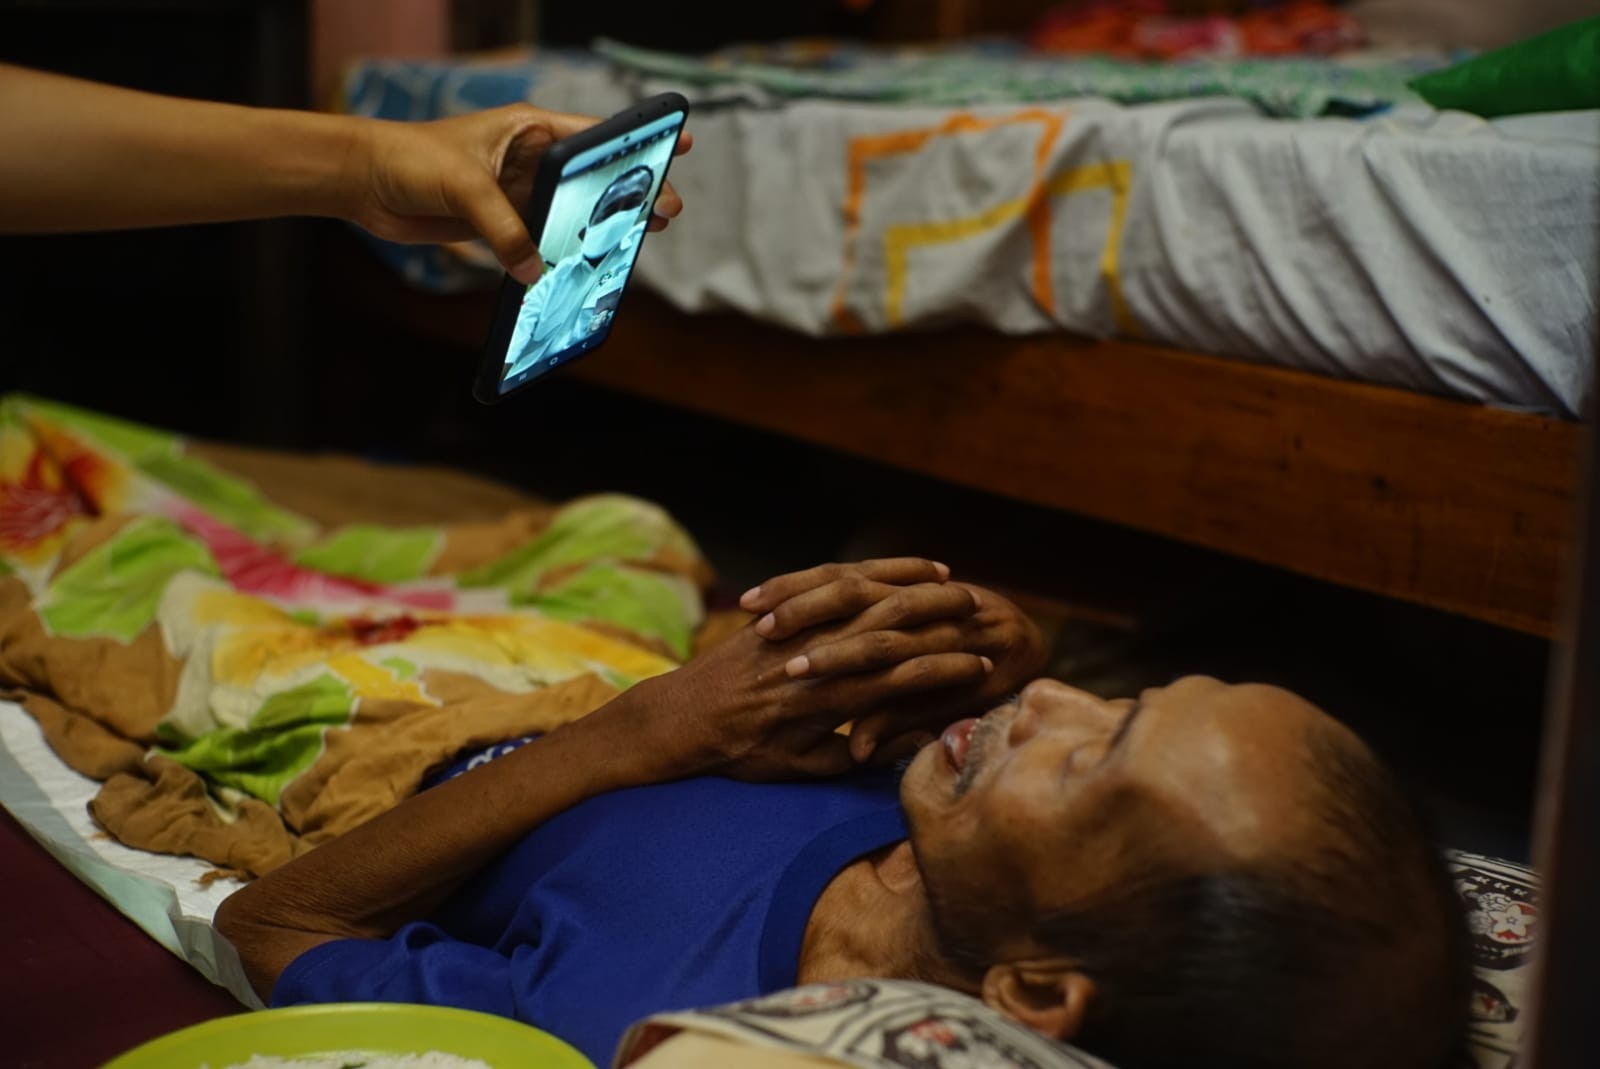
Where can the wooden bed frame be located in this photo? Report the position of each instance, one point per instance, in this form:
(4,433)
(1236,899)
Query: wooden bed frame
(1458,506)
(1560,1032)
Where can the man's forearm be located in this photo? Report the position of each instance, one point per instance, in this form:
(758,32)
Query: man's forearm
(401,865)
(76,155)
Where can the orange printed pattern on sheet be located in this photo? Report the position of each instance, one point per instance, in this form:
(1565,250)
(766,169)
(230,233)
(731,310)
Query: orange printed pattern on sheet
(1114,175)
(863,150)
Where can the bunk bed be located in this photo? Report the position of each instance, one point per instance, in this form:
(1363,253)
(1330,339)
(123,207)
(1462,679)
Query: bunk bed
(1334,345)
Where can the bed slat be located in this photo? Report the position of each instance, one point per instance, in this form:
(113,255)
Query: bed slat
(1458,506)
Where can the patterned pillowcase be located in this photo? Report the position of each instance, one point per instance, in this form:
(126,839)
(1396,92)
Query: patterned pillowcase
(866,1024)
(1501,900)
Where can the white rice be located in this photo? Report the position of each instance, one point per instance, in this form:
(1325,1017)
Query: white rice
(356,1059)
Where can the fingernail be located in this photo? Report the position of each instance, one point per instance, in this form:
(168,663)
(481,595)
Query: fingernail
(749,596)
(861,747)
(988,665)
(528,271)
(798,666)
(766,624)
(942,569)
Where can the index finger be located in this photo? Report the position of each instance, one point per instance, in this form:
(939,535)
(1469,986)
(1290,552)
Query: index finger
(556,124)
(668,203)
(897,571)
(483,204)
(667,206)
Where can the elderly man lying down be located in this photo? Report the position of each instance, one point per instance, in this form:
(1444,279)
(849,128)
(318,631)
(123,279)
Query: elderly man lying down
(1208,875)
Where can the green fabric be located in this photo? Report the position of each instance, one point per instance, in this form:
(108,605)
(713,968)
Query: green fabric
(1555,71)
(616,528)
(324,699)
(402,668)
(647,603)
(284,738)
(376,554)
(222,497)
(134,441)
(115,589)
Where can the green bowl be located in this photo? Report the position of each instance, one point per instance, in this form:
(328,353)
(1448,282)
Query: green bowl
(373,1027)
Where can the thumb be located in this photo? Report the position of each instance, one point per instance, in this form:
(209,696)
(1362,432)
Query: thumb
(485,207)
(830,756)
(901,747)
(866,733)
(886,736)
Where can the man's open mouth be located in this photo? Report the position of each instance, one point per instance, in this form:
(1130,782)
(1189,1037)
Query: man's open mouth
(957,742)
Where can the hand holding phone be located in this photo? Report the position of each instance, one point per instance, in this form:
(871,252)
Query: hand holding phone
(590,206)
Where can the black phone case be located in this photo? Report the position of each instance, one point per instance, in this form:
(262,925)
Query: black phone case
(487,387)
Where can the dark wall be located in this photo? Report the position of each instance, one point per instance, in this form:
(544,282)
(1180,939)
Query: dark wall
(193,328)
(695,27)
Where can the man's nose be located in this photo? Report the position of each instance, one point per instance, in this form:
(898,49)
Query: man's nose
(1046,704)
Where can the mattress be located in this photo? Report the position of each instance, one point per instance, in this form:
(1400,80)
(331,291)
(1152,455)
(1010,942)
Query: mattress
(1432,251)
(173,899)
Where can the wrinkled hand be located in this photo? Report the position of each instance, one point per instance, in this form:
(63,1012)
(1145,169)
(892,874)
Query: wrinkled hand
(802,606)
(463,177)
(746,708)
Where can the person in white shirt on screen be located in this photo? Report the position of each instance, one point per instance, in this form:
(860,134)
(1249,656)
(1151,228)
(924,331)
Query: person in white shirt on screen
(572,299)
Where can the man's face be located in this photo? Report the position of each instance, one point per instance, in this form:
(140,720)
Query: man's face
(1060,796)
(615,213)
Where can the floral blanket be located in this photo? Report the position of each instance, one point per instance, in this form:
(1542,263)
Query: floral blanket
(248,683)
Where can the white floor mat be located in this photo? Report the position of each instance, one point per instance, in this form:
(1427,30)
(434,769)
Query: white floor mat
(161,894)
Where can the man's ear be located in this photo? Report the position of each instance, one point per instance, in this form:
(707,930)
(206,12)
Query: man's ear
(1049,996)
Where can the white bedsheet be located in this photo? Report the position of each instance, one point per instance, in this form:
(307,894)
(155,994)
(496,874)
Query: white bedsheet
(1432,251)
(160,894)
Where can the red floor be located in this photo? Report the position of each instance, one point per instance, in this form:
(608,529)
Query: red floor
(79,982)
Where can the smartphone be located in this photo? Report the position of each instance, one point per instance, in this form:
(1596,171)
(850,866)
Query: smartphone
(591,202)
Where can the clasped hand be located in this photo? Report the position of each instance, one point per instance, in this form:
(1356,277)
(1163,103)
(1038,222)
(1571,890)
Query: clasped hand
(891,645)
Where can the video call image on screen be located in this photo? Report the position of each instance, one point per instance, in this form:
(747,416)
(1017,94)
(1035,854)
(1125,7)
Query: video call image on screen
(591,238)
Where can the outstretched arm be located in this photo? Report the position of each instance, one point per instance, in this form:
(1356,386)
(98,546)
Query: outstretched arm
(77,155)
(400,865)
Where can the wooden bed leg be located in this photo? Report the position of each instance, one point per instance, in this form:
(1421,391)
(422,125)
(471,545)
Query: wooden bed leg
(1561,1031)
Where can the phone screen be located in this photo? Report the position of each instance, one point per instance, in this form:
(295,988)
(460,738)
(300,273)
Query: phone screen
(592,236)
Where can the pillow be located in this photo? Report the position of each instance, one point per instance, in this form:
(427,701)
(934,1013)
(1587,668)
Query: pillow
(868,1024)
(888,1024)
(1501,900)
(1555,71)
